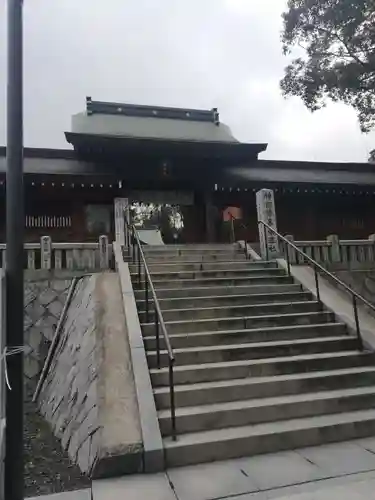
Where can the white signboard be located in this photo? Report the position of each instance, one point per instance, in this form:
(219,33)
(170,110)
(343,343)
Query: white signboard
(269,246)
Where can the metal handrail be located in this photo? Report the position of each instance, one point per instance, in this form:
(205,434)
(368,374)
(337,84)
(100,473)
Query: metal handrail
(138,258)
(355,296)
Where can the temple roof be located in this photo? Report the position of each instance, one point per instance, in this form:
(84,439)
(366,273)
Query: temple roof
(151,122)
(129,131)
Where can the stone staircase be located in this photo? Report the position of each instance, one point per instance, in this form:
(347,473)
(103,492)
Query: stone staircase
(260,365)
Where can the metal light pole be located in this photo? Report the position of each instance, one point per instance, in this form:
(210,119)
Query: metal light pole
(14,467)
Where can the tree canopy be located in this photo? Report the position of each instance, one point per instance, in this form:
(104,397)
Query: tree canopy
(338,62)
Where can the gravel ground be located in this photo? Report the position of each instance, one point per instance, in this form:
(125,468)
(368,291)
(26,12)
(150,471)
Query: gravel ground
(47,467)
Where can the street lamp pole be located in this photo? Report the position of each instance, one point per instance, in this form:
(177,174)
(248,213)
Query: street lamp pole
(14,466)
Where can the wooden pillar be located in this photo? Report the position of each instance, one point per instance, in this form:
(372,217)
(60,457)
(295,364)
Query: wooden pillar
(209,213)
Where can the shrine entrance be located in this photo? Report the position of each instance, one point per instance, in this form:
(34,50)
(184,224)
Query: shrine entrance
(167,219)
(176,215)
(167,162)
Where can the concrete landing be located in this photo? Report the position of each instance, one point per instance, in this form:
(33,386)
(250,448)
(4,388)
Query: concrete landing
(344,470)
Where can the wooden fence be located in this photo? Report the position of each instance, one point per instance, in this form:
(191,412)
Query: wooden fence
(334,251)
(64,256)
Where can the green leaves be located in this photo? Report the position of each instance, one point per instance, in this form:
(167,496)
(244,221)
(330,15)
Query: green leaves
(338,39)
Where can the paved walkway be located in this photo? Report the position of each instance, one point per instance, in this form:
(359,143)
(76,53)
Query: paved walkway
(342,470)
(316,473)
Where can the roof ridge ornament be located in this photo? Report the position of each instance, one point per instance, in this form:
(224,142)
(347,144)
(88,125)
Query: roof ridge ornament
(145,111)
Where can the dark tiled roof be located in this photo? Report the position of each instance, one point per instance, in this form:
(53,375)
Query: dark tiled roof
(295,173)
(51,162)
(266,172)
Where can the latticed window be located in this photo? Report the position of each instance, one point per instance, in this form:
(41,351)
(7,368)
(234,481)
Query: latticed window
(47,221)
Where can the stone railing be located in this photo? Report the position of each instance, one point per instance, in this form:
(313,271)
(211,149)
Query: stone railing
(49,255)
(334,251)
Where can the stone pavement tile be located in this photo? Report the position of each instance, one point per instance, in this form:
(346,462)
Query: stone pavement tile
(210,481)
(366,443)
(138,487)
(355,491)
(339,458)
(315,486)
(249,496)
(279,469)
(70,495)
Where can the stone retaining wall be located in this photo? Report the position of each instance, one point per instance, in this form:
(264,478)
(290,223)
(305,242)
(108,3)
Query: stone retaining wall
(44,301)
(69,393)
(88,396)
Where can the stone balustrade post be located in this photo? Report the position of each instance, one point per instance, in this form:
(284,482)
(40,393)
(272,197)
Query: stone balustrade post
(103,252)
(293,258)
(58,259)
(371,249)
(334,240)
(46,252)
(30,259)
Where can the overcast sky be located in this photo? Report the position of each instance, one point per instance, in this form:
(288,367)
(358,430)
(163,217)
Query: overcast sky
(193,53)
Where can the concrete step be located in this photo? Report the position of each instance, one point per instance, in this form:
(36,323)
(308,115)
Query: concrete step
(178,252)
(225,300)
(201,247)
(262,387)
(222,291)
(255,411)
(157,258)
(168,267)
(182,340)
(234,311)
(235,442)
(245,323)
(254,350)
(269,277)
(216,273)
(266,367)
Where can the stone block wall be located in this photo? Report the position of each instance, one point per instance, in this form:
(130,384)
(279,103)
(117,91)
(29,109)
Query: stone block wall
(68,400)
(44,301)
(88,396)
